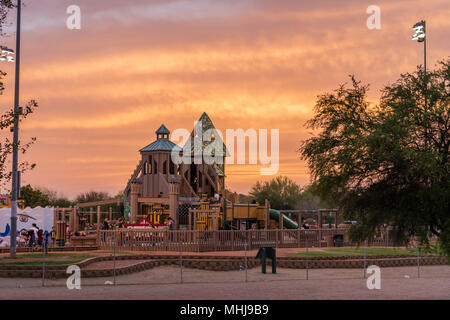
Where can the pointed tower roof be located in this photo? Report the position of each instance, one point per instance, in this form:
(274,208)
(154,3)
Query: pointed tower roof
(206,124)
(162,142)
(162,130)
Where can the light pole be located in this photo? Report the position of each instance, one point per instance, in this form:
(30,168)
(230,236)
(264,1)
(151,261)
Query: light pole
(420,36)
(14,189)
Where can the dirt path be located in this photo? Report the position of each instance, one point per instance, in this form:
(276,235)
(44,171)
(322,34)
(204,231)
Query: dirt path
(164,283)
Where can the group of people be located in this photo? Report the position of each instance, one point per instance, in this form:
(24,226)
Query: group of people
(37,237)
(106,225)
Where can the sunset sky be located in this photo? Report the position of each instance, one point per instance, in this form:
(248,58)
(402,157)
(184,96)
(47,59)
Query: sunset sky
(135,64)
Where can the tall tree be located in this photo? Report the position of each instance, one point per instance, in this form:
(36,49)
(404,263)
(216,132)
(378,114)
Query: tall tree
(5,6)
(34,197)
(56,199)
(310,200)
(91,196)
(387,164)
(277,191)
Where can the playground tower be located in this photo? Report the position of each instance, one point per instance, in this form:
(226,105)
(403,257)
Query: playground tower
(156,172)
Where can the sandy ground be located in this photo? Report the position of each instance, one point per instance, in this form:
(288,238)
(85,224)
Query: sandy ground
(165,283)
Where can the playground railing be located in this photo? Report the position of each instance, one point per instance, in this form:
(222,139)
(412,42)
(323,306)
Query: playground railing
(223,240)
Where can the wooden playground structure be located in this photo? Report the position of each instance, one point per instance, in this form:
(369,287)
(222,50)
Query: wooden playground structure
(192,194)
(202,226)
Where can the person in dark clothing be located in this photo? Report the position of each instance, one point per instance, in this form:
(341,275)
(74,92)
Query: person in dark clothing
(105,225)
(30,238)
(46,238)
(171,227)
(40,237)
(33,234)
(171,224)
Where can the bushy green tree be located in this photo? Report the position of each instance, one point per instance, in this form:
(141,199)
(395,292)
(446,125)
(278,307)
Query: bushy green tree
(62,203)
(34,197)
(277,191)
(386,164)
(56,200)
(311,200)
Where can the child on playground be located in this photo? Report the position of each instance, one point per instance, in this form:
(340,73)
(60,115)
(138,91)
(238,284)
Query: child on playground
(23,238)
(46,238)
(53,235)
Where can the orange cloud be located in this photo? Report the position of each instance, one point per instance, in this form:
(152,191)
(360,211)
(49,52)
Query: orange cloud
(105,89)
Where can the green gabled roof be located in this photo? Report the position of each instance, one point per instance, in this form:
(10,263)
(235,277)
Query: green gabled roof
(207,124)
(162,130)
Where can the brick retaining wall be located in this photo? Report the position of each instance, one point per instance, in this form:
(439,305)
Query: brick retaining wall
(214,263)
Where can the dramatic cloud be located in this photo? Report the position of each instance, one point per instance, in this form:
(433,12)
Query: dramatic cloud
(103,90)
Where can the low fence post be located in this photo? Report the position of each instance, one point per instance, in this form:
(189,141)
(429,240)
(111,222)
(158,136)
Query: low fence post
(215,240)
(181,261)
(276,238)
(43,264)
(114,255)
(232,240)
(418,261)
(306,258)
(365,254)
(245,259)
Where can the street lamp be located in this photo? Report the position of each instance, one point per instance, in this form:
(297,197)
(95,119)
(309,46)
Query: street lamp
(6,54)
(420,36)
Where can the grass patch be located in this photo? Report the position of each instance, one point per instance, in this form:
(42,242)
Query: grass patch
(339,252)
(50,255)
(51,259)
(39,263)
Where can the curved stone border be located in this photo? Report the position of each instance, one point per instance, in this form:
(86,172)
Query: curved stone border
(212,263)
